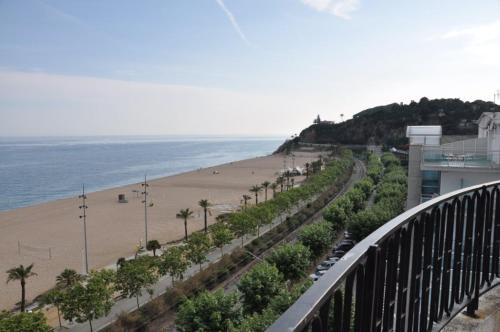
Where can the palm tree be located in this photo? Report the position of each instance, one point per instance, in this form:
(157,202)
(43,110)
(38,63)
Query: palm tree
(256,190)
(185,214)
(153,245)
(308,167)
(274,186)
(21,273)
(288,175)
(246,198)
(205,204)
(265,185)
(68,278)
(281,181)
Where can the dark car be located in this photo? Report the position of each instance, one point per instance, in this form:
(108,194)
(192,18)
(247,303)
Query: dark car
(345,245)
(338,253)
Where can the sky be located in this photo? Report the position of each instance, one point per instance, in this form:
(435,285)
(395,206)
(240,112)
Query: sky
(234,67)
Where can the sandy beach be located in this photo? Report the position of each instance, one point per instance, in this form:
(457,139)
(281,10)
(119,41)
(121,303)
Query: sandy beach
(115,229)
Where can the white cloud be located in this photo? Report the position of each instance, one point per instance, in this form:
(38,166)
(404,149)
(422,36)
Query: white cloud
(481,42)
(233,21)
(340,8)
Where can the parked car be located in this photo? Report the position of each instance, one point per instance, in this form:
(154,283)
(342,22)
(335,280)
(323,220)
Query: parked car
(347,235)
(320,273)
(338,253)
(328,263)
(345,245)
(313,277)
(333,258)
(321,267)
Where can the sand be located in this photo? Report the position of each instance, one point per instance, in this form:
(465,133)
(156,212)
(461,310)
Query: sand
(115,229)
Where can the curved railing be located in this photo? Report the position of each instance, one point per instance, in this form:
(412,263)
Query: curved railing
(415,273)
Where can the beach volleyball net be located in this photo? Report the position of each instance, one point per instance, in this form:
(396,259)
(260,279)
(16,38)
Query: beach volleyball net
(33,251)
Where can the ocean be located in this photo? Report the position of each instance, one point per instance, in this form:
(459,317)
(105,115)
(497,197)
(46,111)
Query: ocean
(36,170)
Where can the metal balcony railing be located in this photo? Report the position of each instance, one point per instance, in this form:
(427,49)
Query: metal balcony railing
(469,154)
(415,273)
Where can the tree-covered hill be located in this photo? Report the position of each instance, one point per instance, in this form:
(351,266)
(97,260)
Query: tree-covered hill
(387,124)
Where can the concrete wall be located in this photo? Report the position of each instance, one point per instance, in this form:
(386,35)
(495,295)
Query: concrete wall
(414,176)
(451,181)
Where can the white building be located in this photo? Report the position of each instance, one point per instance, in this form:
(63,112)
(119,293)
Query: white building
(435,168)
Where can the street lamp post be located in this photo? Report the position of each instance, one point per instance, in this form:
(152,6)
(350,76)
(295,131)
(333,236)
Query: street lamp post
(83,216)
(145,185)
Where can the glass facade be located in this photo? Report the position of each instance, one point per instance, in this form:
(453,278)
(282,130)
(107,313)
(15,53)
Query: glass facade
(431,181)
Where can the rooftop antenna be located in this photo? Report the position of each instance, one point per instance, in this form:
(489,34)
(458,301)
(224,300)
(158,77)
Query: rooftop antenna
(145,193)
(83,216)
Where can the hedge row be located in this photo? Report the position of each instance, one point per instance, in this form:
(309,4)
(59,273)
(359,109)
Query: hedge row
(389,202)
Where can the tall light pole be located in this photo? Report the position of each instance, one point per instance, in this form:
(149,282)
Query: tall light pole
(83,216)
(145,185)
(496,96)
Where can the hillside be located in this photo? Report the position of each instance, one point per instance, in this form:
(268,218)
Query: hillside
(386,125)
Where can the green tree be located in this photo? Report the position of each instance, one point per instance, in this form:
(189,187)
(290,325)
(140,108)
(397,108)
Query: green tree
(256,190)
(68,278)
(257,322)
(292,260)
(246,198)
(273,187)
(280,180)
(23,322)
(357,197)
(260,216)
(205,205)
(221,235)
(54,297)
(317,237)
(281,302)
(208,312)
(153,245)
(21,273)
(240,225)
(136,275)
(174,262)
(197,248)
(89,301)
(265,185)
(259,286)
(366,186)
(185,214)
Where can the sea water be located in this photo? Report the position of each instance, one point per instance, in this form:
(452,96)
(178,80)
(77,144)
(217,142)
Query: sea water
(41,169)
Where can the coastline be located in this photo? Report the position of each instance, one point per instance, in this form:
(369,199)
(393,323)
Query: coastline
(115,229)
